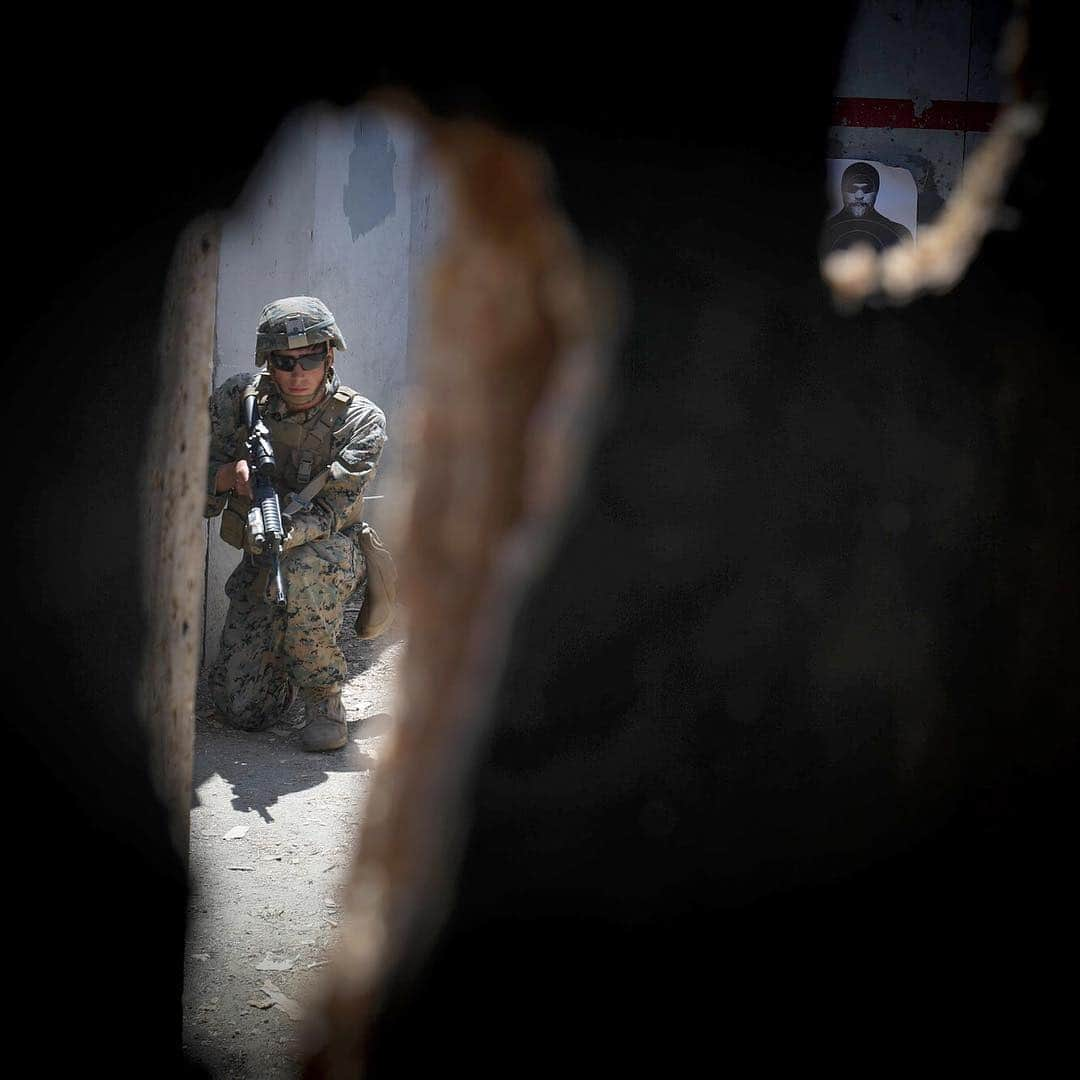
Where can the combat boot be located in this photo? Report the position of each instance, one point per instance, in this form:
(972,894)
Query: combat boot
(324,727)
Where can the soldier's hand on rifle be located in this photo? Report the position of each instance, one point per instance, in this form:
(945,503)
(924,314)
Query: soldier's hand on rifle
(255,548)
(234,476)
(250,544)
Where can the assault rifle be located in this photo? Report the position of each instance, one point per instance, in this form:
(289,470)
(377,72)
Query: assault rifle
(265,526)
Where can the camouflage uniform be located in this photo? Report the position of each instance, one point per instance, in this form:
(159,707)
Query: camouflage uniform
(266,653)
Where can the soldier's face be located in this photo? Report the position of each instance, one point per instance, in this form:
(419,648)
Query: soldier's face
(859,196)
(298,384)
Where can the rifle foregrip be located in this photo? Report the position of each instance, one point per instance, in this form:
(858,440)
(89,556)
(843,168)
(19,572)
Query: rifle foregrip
(271,512)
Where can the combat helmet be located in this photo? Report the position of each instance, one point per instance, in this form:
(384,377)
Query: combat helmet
(292,323)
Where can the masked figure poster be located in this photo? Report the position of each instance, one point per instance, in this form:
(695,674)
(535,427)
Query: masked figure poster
(869,203)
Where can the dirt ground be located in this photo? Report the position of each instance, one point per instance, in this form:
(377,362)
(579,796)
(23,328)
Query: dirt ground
(273,830)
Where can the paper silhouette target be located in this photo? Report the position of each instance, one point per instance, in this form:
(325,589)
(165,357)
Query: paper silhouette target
(869,203)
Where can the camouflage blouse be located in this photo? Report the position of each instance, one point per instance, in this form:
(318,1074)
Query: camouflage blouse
(358,437)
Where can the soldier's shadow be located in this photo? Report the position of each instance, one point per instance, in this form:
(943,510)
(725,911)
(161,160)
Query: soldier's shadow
(263,766)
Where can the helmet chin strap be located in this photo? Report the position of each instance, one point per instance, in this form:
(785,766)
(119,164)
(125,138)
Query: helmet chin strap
(316,395)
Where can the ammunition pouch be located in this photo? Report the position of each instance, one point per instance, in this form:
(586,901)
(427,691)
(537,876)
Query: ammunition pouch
(234,520)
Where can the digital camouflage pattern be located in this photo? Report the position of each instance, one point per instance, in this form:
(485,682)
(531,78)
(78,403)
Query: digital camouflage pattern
(262,649)
(358,438)
(292,323)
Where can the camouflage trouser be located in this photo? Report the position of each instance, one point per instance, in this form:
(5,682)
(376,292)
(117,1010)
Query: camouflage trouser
(265,648)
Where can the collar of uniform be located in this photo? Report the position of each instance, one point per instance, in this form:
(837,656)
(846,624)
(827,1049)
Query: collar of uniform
(276,407)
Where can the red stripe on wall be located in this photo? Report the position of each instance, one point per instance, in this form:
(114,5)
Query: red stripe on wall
(900,113)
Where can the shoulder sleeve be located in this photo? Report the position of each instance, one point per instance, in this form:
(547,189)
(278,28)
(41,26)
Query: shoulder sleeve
(358,443)
(224,422)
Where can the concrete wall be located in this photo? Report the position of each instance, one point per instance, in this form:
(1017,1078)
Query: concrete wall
(924,52)
(343,206)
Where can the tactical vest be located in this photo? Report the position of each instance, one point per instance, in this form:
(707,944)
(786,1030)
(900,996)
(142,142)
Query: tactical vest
(300,451)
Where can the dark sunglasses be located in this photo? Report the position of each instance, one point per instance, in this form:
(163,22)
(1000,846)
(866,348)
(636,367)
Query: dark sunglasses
(309,361)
